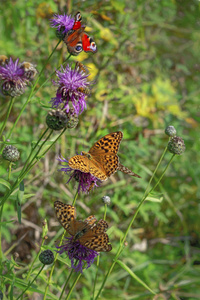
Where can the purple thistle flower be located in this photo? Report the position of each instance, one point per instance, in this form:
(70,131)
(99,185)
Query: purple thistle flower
(12,78)
(71,89)
(86,181)
(63,23)
(78,254)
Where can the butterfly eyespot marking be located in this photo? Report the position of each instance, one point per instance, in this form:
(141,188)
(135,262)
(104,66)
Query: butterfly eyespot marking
(78,16)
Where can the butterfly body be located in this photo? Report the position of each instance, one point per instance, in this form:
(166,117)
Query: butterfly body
(101,160)
(77,40)
(89,233)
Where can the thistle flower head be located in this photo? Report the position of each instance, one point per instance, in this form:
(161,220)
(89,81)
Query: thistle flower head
(71,90)
(63,23)
(81,257)
(86,181)
(12,78)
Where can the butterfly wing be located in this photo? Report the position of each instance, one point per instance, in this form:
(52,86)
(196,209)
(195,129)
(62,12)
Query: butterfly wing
(78,20)
(104,152)
(109,144)
(86,165)
(88,43)
(96,238)
(73,40)
(66,215)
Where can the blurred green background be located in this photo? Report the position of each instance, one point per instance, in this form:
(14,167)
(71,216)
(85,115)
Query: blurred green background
(147,74)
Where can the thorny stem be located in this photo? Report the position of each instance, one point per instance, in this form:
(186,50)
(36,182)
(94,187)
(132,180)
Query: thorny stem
(130,224)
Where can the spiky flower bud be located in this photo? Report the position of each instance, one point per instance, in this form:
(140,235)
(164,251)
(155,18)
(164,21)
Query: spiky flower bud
(106,200)
(57,119)
(176,145)
(170,131)
(46,257)
(72,119)
(10,153)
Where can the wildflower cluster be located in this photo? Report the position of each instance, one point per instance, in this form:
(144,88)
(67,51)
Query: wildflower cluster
(15,76)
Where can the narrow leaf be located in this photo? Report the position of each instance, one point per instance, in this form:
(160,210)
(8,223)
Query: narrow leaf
(5,182)
(126,268)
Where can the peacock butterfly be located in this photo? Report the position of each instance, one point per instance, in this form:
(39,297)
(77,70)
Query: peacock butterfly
(77,40)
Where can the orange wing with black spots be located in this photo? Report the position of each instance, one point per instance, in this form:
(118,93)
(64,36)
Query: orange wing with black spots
(87,232)
(101,160)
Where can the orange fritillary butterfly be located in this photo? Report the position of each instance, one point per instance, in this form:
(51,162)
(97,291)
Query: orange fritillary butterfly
(89,233)
(101,160)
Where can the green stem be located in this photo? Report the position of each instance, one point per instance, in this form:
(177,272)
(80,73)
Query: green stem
(105,211)
(17,182)
(66,283)
(75,197)
(32,90)
(95,280)
(73,285)
(162,174)
(98,257)
(130,224)
(29,167)
(50,76)
(9,170)
(41,137)
(52,269)
(7,115)
(36,257)
(161,158)
(30,283)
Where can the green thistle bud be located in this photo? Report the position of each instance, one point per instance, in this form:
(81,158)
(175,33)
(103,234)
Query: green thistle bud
(170,131)
(176,145)
(56,119)
(46,257)
(106,200)
(10,153)
(72,119)
(60,34)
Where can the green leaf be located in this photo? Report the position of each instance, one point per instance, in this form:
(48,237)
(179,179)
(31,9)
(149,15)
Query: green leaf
(126,268)
(5,182)
(153,199)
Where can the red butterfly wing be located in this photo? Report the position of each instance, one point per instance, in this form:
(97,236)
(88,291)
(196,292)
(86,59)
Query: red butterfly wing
(78,20)
(88,43)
